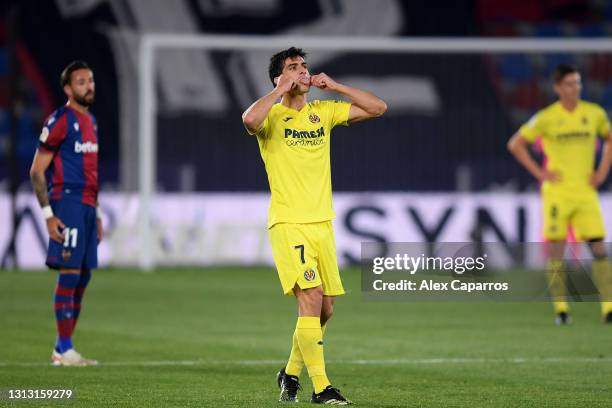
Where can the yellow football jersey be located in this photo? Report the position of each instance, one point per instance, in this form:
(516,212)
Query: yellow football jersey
(569,142)
(294,146)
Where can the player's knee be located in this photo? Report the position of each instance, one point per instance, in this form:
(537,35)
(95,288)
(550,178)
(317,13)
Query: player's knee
(310,300)
(315,297)
(598,248)
(315,293)
(600,255)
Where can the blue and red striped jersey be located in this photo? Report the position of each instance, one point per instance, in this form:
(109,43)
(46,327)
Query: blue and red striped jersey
(72,137)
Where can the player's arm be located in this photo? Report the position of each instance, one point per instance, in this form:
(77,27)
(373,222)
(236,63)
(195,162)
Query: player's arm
(255,115)
(601,174)
(364,105)
(517,145)
(42,160)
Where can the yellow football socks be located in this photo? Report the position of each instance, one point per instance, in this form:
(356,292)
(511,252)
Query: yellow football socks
(296,361)
(310,341)
(602,276)
(556,286)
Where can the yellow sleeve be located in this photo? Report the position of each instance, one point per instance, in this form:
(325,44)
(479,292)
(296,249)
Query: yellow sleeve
(603,125)
(533,128)
(263,128)
(338,113)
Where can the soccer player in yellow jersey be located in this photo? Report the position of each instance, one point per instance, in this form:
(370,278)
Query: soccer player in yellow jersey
(294,140)
(569,129)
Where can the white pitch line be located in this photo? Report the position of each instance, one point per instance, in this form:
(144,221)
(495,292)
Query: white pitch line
(422,361)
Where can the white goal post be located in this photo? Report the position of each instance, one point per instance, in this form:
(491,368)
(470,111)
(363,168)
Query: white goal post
(151,43)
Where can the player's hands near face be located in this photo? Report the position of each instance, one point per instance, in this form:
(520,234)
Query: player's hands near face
(100,230)
(547,175)
(323,82)
(55,226)
(285,83)
(598,178)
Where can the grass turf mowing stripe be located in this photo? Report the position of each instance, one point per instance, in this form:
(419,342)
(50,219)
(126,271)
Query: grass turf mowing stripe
(459,360)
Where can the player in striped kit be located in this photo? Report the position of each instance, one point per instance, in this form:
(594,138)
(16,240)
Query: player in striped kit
(64,176)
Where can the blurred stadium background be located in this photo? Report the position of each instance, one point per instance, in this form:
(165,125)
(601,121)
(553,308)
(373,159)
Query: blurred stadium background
(435,168)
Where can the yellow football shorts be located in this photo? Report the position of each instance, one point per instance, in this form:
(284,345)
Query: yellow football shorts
(306,254)
(581,211)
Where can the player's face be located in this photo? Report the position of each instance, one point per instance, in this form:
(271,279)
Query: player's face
(569,88)
(297,69)
(82,88)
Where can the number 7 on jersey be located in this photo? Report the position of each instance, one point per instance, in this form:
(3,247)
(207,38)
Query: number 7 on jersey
(301,248)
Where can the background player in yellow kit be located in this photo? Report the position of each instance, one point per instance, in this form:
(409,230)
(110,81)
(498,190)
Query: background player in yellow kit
(294,140)
(569,129)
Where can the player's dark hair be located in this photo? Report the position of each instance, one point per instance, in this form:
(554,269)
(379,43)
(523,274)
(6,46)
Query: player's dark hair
(277,61)
(561,71)
(70,68)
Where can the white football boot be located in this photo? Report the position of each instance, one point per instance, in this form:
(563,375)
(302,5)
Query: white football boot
(70,357)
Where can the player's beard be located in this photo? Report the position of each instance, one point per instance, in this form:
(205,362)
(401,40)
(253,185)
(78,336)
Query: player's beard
(86,100)
(304,86)
(300,89)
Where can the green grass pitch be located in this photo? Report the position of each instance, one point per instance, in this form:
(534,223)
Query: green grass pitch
(216,338)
